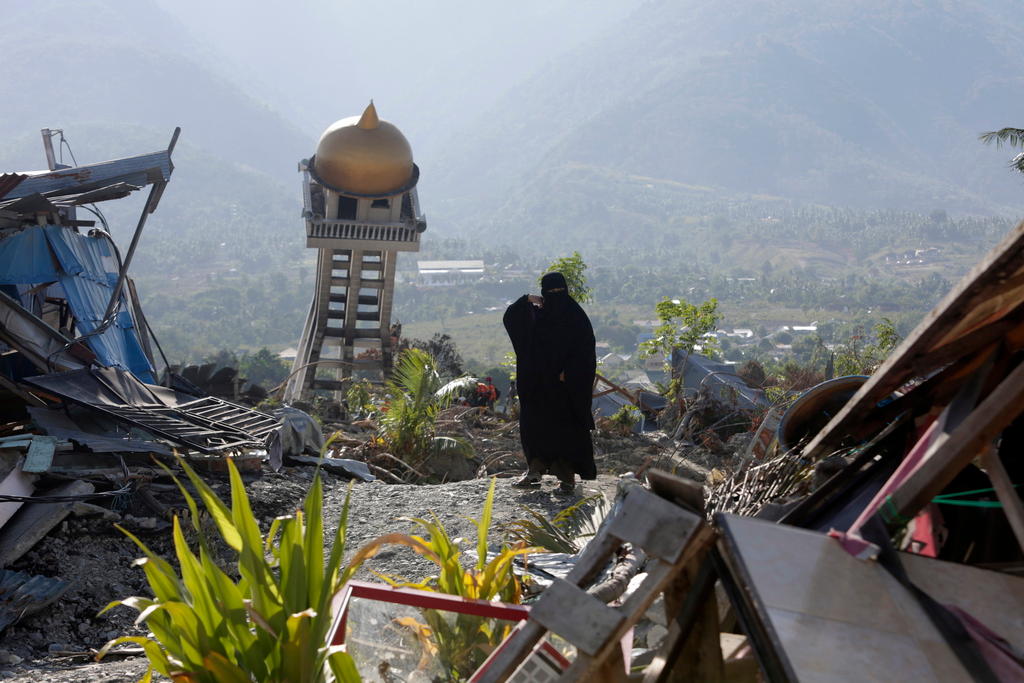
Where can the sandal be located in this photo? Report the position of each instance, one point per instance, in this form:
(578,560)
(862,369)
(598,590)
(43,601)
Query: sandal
(527,481)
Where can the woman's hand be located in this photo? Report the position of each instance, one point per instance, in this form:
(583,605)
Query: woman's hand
(537,301)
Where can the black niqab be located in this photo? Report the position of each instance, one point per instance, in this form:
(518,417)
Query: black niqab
(555,366)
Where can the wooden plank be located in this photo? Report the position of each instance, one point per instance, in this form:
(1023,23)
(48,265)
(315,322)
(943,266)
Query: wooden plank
(683,492)
(659,528)
(1001,264)
(580,618)
(1005,492)
(40,454)
(658,578)
(968,343)
(692,649)
(966,441)
(14,482)
(34,520)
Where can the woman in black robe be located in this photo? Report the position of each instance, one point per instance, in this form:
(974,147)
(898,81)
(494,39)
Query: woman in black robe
(555,366)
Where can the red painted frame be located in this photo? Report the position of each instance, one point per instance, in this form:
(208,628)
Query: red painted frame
(427,600)
(415,598)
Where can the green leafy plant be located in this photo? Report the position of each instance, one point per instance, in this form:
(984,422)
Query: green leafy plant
(566,532)
(509,361)
(1013,137)
(462,641)
(861,354)
(415,396)
(269,625)
(575,272)
(683,326)
(358,399)
(625,419)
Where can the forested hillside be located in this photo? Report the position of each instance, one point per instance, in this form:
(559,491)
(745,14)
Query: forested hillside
(866,103)
(771,154)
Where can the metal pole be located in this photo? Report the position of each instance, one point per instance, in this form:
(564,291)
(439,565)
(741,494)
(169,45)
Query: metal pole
(115,296)
(154,196)
(51,158)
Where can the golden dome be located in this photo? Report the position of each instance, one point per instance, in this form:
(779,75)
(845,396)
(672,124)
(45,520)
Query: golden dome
(364,156)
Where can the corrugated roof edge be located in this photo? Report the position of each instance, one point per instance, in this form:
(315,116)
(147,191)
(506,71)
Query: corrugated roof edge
(9,181)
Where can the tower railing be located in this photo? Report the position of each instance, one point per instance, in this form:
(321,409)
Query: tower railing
(344,229)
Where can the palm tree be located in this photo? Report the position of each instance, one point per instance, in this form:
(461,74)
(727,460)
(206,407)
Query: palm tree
(416,394)
(1013,137)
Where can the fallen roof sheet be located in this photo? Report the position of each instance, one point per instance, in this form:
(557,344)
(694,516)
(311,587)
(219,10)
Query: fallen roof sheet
(43,346)
(86,267)
(59,423)
(208,425)
(138,170)
(22,594)
(720,379)
(9,181)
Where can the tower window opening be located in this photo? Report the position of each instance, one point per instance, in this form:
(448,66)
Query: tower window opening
(381,204)
(347,207)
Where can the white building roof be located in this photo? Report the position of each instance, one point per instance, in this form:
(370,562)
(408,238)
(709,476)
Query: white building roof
(436,267)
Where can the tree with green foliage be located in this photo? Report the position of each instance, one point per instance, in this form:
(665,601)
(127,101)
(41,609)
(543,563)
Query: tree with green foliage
(263,368)
(575,272)
(446,355)
(1012,137)
(683,326)
(861,354)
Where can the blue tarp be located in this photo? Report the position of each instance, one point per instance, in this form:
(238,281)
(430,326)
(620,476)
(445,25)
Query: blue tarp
(87,270)
(26,259)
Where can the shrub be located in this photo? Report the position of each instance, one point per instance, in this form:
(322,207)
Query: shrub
(415,395)
(271,624)
(625,419)
(566,532)
(463,642)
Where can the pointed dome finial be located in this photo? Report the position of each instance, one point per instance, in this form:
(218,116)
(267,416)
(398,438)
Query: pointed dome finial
(364,155)
(369,120)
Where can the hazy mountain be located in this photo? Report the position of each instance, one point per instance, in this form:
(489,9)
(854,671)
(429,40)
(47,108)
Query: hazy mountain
(867,103)
(431,67)
(128,63)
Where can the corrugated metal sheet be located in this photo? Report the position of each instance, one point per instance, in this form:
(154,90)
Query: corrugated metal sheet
(22,594)
(29,204)
(88,273)
(86,269)
(9,181)
(140,170)
(102,194)
(720,379)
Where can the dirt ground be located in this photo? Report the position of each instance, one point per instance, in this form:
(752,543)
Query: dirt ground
(97,558)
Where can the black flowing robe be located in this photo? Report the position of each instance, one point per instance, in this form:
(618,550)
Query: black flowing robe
(555,416)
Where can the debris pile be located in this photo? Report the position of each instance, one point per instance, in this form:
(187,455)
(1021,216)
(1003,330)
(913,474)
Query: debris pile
(875,533)
(90,405)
